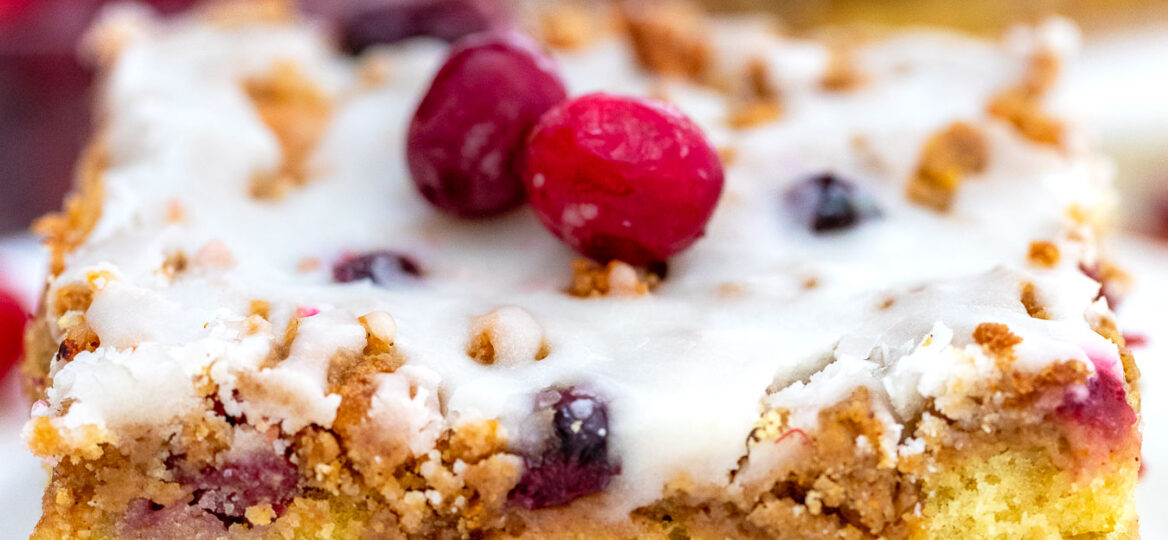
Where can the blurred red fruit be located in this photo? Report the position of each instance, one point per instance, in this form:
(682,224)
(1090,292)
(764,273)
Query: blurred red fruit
(12,320)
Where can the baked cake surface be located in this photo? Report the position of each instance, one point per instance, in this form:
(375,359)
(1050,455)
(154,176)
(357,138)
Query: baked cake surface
(256,327)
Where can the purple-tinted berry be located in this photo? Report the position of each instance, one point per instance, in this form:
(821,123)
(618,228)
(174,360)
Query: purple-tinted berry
(469,130)
(828,203)
(381,267)
(575,463)
(229,490)
(551,482)
(389,21)
(581,425)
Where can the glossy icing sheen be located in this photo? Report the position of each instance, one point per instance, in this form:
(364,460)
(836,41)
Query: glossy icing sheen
(685,370)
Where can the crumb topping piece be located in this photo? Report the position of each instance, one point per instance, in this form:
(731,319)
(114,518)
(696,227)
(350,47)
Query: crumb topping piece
(996,339)
(296,111)
(1030,301)
(1021,105)
(507,336)
(666,37)
(947,157)
(616,278)
(1043,253)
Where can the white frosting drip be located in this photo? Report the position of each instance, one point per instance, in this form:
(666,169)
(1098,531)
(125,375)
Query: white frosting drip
(685,370)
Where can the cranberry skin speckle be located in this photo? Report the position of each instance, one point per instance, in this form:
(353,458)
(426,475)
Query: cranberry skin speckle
(828,203)
(228,491)
(623,178)
(383,268)
(1103,410)
(12,322)
(390,21)
(575,464)
(470,127)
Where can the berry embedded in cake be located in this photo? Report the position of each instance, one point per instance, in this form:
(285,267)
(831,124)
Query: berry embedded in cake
(421,292)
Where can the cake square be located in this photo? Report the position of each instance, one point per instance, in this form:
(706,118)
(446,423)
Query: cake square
(895,323)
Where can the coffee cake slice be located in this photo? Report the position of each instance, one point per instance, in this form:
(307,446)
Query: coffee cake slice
(896,325)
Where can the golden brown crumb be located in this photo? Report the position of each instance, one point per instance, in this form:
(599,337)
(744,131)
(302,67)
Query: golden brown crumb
(259,307)
(72,297)
(175,211)
(1021,105)
(666,37)
(475,441)
(758,78)
(233,13)
(1030,301)
(997,340)
(754,113)
(260,514)
(568,25)
(1043,253)
(373,71)
(727,155)
(296,111)
(481,349)
(308,264)
(174,264)
(380,331)
(77,338)
(589,279)
(947,156)
(282,346)
(842,74)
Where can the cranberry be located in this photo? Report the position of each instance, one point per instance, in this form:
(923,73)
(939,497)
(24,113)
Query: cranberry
(622,178)
(228,491)
(382,267)
(1104,410)
(575,464)
(12,321)
(827,203)
(469,129)
(581,426)
(389,21)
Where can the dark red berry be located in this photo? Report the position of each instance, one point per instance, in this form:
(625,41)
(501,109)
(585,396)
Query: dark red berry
(827,203)
(575,463)
(231,489)
(1104,409)
(381,267)
(13,318)
(469,129)
(623,178)
(389,21)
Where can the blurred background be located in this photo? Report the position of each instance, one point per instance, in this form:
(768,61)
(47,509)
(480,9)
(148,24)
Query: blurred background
(1118,89)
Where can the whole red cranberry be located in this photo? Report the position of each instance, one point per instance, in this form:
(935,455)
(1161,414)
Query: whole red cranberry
(12,321)
(469,129)
(622,178)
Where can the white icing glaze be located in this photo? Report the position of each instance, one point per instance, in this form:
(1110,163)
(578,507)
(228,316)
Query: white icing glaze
(685,370)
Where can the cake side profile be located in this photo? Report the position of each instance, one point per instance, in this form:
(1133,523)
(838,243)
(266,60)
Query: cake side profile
(851,287)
